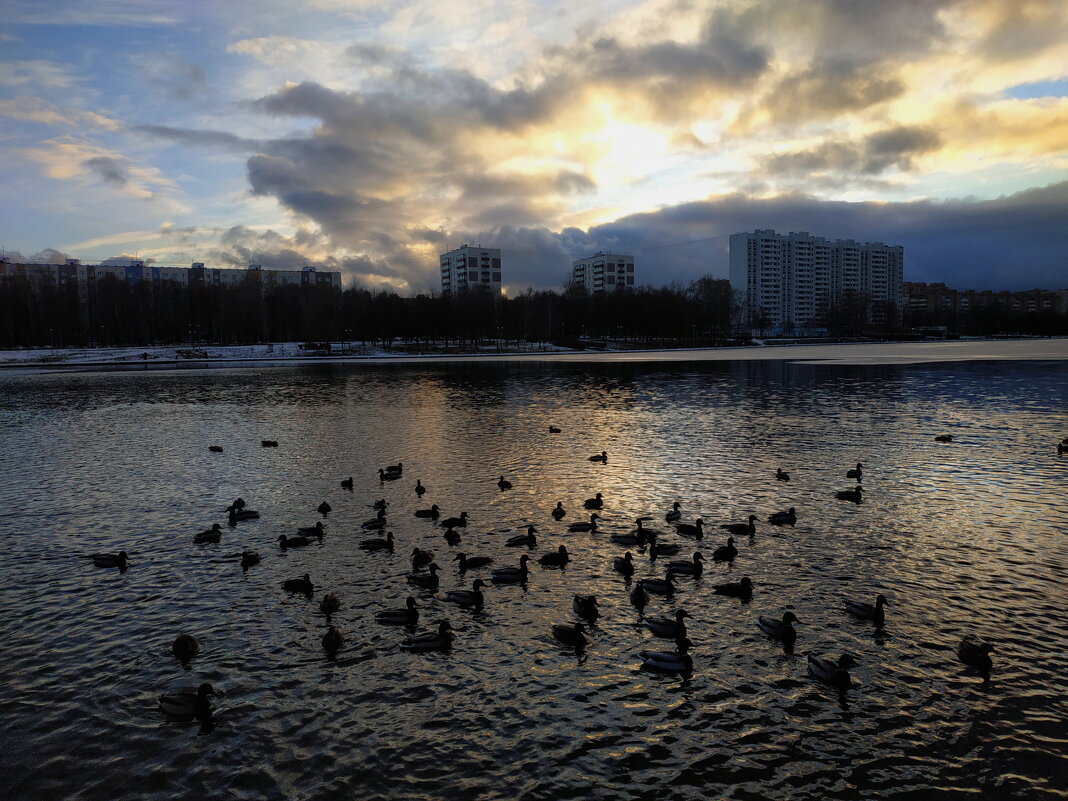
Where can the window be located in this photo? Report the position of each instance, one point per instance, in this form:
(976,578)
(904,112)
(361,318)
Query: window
(497,277)
(472,276)
(611,279)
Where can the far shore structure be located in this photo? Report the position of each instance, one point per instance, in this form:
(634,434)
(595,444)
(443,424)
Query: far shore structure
(471,267)
(603,272)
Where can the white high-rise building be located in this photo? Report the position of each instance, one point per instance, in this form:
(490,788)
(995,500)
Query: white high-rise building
(789,283)
(471,266)
(603,272)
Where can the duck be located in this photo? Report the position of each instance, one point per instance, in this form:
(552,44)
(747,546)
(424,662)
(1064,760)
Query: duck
(215,448)
(669,627)
(853,495)
(188,704)
(346,483)
(554,430)
(664,586)
(695,531)
(432,641)
(333,640)
(185,647)
(781,474)
(303,585)
(237,505)
(596,502)
(735,589)
(419,488)
(285,542)
(269,443)
(559,512)
(397,468)
(408,616)
(452,537)
(324,508)
(586,606)
(583,526)
(248,559)
(787,518)
(376,522)
(639,597)
(119,560)
(433,513)
(469,599)
(318,530)
(385,475)
(558,559)
(600,457)
(330,603)
(976,653)
(471,562)
(511,575)
(675,514)
(378,543)
(421,558)
(667,549)
(875,613)
(857,472)
(725,553)
(455,522)
(528,539)
(637,537)
(687,567)
(624,564)
(835,674)
(379,505)
(780,629)
(677,661)
(741,529)
(242,514)
(429,579)
(570,634)
(944,438)
(504,484)
(1061,448)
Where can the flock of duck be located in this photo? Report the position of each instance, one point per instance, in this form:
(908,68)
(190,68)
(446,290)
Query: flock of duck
(424,575)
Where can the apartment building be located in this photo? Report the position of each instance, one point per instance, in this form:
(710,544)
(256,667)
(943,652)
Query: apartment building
(603,272)
(470,267)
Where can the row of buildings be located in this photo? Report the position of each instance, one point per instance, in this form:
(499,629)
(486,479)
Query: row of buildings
(473,266)
(937,302)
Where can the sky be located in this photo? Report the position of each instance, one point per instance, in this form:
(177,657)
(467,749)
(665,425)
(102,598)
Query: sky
(368,137)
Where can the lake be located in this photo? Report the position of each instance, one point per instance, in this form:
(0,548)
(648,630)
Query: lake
(961,537)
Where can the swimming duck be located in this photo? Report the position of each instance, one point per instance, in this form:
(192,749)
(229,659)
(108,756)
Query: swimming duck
(780,629)
(696,531)
(742,529)
(857,472)
(379,505)
(669,627)
(667,549)
(664,586)
(559,511)
(318,530)
(736,589)
(596,502)
(781,474)
(434,641)
(788,518)
(624,564)
(687,567)
(527,539)
(419,488)
(303,585)
(554,430)
(384,475)
(850,495)
(600,457)
(119,560)
(868,612)
(469,599)
(188,704)
(432,512)
(511,575)
(237,505)
(397,468)
(504,484)
(346,483)
(677,661)
(975,653)
(590,526)
(269,443)
(421,558)
(185,647)
(455,522)
(639,597)
(637,537)
(472,562)
(429,579)
(378,544)
(376,522)
(570,634)
(558,559)
(248,559)
(944,438)
(1061,448)
(408,616)
(586,606)
(242,514)
(330,603)
(324,508)
(332,641)
(285,542)
(725,553)
(832,673)
(675,514)
(215,448)
(452,537)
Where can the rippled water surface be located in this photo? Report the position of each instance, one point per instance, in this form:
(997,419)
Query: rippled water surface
(966,537)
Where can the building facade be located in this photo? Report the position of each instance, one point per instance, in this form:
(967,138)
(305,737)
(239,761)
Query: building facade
(603,272)
(470,267)
(937,301)
(793,283)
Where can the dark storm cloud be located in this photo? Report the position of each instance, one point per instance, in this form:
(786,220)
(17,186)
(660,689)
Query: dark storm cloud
(827,90)
(878,152)
(110,170)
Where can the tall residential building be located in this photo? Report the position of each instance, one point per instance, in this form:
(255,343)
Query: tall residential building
(471,266)
(603,271)
(793,282)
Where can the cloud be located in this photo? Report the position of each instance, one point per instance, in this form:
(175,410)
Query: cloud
(32,109)
(123,13)
(68,158)
(893,148)
(37,74)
